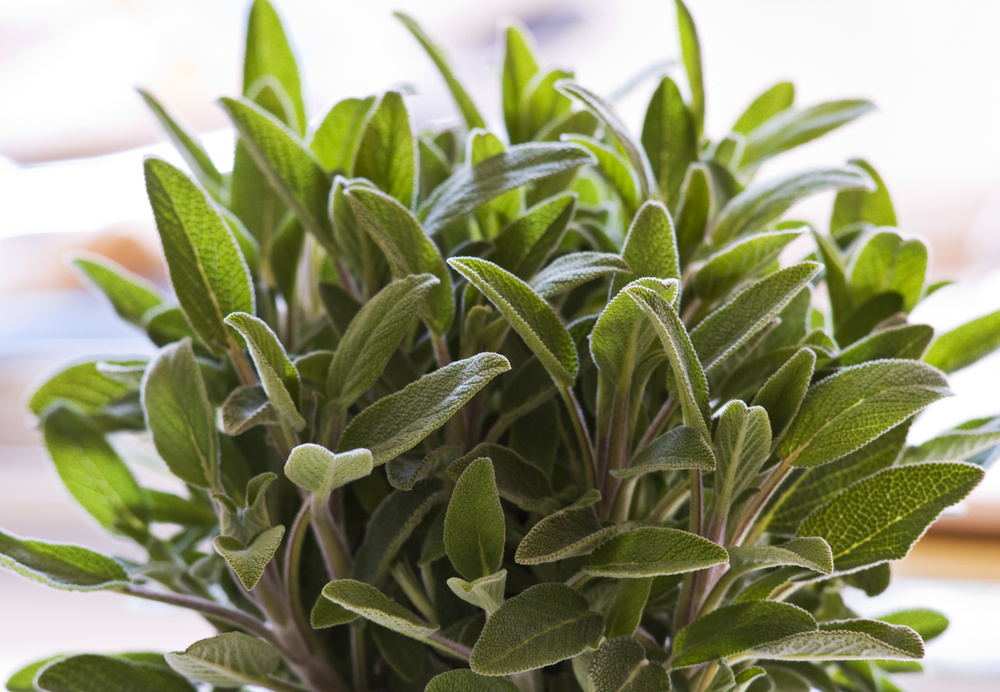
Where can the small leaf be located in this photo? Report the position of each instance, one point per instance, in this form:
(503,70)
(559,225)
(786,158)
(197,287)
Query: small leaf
(615,169)
(691,53)
(519,66)
(908,341)
(474,525)
(884,262)
(863,207)
(246,407)
(727,268)
(277,373)
(130,295)
(965,345)
(249,561)
(621,666)
(679,448)
(929,624)
(66,567)
(846,640)
(387,154)
(268,54)
(651,551)
(624,611)
(881,517)
(469,187)
(373,605)
(759,205)
(468,681)
(766,106)
(650,247)
(811,553)
(399,421)
(82,384)
(693,209)
(180,416)
(542,106)
(206,266)
(320,471)
(518,480)
(962,443)
(670,139)
(524,246)
(336,139)
(531,317)
(853,407)
(93,673)
(575,269)
(485,592)
(231,659)
(742,445)
(782,394)
(544,624)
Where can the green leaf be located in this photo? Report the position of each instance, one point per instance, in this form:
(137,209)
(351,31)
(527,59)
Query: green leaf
(733,629)
(524,246)
(757,206)
(724,270)
(404,655)
(569,532)
(518,480)
(773,101)
(82,384)
(277,372)
(542,106)
(791,128)
(500,211)
(408,251)
(24,679)
(249,561)
(624,611)
(404,471)
(742,445)
(391,524)
(231,659)
(462,99)
(650,247)
(206,266)
(167,508)
(373,605)
(965,345)
(679,448)
(93,673)
(94,474)
(693,209)
(811,553)
(670,139)
(469,187)
(268,54)
(519,66)
(188,146)
(881,517)
(846,640)
(130,295)
(929,624)
(651,551)
(320,471)
(908,341)
(527,312)
(621,666)
(542,625)
(246,407)
(617,171)
(373,336)
(691,53)
(474,525)
(66,567)
(883,262)
(326,613)
(180,416)
(336,139)
(575,269)
(485,592)
(782,394)
(692,387)
(399,421)
(387,153)
(958,444)
(853,407)
(862,207)
(468,681)
(867,317)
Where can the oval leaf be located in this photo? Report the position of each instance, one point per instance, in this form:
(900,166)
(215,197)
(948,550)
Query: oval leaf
(66,567)
(231,659)
(651,551)
(373,605)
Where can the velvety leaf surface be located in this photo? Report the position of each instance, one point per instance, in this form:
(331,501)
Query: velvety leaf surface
(474,525)
(766,106)
(336,139)
(67,567)
(320,471)
(726,268)
(130,295)
(373,605)
(485,592)
(964,345)
(387,154)
(650,247)
(651,551)
(621,666)
(518,480)
(249,561)
(93,673)
(847,640)
(783,392)
(231,659)
(679,448)
(811,553)
(861,206)
(670,140)
(569,271)
(468,681)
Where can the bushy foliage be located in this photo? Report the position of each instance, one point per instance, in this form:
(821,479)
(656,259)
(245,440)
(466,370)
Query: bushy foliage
(539,409)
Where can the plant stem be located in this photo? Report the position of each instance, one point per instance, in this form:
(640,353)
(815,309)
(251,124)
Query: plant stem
(358,664)
(293,554)
(706,676)
(582,436)
(669,503)
(331,542)
(694,582)
(742,534)
(496,430)
(654,426)
(448,646)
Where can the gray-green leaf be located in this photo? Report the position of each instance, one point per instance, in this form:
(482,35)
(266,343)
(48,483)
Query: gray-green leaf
(863,207)
(336,139)
(93,673)
(320,471)
(651,551)
(670,138)
(249,561)
(678,448)
(742,445)
(485,592)
(650,247)
(231,659)
(741,259)
(269,55)
(964,345)
(66,567)
(373,605)
(130,295)
(387,153)
(783,392)
(884,261)
(846,640)
(691,53)
(467,681)
(575,269)
(812,553)
(621,666)
(474,525)
(518,481)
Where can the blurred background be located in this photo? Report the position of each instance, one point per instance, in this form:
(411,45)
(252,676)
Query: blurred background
(73,133)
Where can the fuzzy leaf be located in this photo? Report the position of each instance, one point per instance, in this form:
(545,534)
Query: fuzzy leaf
(246,407)
(66,567)
(84,384)
(206,266)
(544,624)
(336,139)
(853,407)
(249,561)
(387,154)
(399,421)
(929,624)
(882,516)
(621,666)
(691,53)
(320,471)
(958,444)
(519,66)
(883,262)
(731,265)
(651,551)
(766,106)
(231,659)
(742,445)
(679,448)
(569,532)
(783,392)
(811,553)
(670,139)
(485,592)
(518,480)
(908,341)
(575,269)
(693,209)
(624,611)
(93,673)
(326,613)
(474,525)
(863,207)
(130,295)
(846,640)
(524,246)
(616,169)
(964,345)
(468,681)
(373,605)
(650,247)
(268,54)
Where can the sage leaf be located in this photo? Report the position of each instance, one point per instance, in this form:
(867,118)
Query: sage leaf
(962,443)
(679,448)
(651,551)
(326,613)
(908,341)
(965,345)
(569,532)
(881,517)
(575,269)
(485,592)
(524,246)
(336,139)
(764,107)
(246,407)
(180,416)
(94,673)
(542,625)
(82,384)
(207,269)
(845,411)
(883,262)
(468,681)
(691,53)
(615,168)
(129,294)
(621,666)
(811,553)
(847,640)
(531,317)
(650,247)
(248,561)
(404,471)
(519,66)
(66,567)
(24,679)
(861,206)
(320,471)
(268,54)
(474,525)
(782,394)
(670,140)
(518,481)
(231,659)
(501,210)
(387,153)
(375,606)
(624,611)
(693,209)
(929,624)
(399,421)
(742,445)
(404,655)
(727,268)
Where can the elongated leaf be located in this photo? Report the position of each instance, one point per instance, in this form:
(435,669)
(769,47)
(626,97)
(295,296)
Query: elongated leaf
(615,168)
(408,251)
(93,673)
(908,341)
(929,624)
(390,525)
(693,209)
(326,613)
(82,384)
(881,517)
(249,561)
(691,52)
(964,345)
(231,659)
(731,265)
(373,336)
(130,295)
(398,422)
(847,640)
(519,66)
(518,480)
(245,408)
(373,605)
(24,679)
(462,99)
(180,416)
(742,445)
(759,205)
(206,266)
(66,567)
(727,328)
(468,681)
(670,139)
(884,261)
(862,207)
(524,246)
(624,611)
(474,526)
(791,128)
(572,270)
(766,106)
(736,628)
(621,666)
(652,551)
(470,187)
(336,139)
(964,442)
(853,407)
(485,592)
(650,247)
(542,106)
(679,448)
(320,471)
(501,210)
(531,317)
(542,625)
(387,153)
(268,54)
(569,532)
(811,553)
(783,392)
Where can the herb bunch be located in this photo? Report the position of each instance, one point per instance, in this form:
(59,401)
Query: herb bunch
(537,409)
